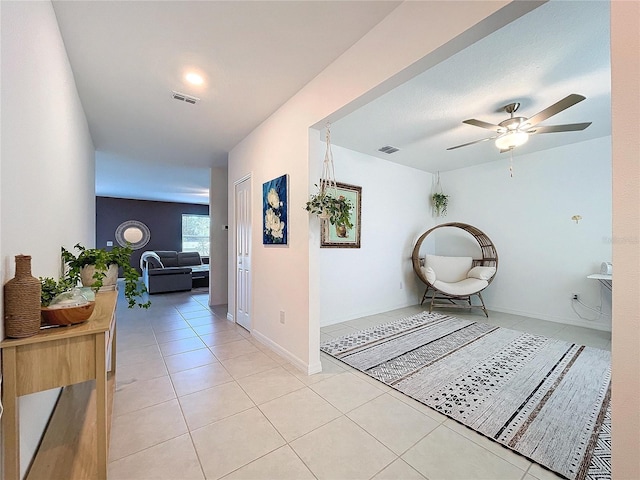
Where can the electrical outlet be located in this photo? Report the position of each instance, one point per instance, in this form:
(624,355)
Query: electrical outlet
(282,317)
(574,296)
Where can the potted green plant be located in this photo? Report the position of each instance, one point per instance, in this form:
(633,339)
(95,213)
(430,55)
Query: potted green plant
(50,288)
(440,202)
(103,260)
(327,207)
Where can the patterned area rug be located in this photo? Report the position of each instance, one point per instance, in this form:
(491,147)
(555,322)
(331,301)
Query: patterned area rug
(543,398)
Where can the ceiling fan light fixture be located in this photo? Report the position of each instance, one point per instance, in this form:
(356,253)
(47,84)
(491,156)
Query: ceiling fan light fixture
(511,139)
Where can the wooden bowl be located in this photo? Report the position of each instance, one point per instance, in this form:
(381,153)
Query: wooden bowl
(67,315)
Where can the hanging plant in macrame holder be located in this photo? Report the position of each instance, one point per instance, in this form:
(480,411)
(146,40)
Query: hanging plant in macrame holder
(440,200)
(327,204)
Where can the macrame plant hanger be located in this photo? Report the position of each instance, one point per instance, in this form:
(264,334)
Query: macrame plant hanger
(328,178)
(328,184)
(439,185)
(439,210)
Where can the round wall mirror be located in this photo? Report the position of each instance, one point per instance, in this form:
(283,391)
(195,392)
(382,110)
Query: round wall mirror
(134,233)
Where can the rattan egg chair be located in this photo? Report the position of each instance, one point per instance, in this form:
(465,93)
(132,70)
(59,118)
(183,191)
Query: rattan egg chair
(463,280)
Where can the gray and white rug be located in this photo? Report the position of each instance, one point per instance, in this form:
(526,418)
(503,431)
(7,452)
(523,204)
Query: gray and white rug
(546,399)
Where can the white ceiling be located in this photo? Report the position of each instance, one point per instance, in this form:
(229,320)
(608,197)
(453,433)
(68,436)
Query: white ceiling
(127,57)
(125,178)
(557,49)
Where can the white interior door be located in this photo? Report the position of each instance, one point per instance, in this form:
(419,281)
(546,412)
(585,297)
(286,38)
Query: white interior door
(243,253)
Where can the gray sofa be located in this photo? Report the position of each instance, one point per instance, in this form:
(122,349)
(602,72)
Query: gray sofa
(170,271)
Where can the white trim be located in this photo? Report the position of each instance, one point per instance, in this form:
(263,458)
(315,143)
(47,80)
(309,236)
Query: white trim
(230,317)
(309,369)
(314,368)
(242,179)
(369,313)
(562,321)
(248,177)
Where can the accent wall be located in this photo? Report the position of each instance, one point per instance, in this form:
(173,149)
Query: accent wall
(164,220)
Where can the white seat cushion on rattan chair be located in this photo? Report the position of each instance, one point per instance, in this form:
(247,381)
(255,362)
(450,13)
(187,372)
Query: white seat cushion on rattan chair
(468,286)
(482,273)
(449,269)
(454,275)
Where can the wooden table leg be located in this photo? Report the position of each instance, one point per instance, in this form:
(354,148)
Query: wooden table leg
(10,427)
(101,405)
(114,338)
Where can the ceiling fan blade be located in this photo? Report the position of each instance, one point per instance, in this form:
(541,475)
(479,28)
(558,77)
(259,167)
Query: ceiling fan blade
(557,107)
(471,143)
(481,124)
(569,127)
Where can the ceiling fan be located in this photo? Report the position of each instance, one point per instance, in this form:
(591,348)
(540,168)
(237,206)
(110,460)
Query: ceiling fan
(515,131)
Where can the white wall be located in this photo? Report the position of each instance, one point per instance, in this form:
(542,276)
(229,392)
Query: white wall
(218,208)
(48,194)
(544,255)
(287,278)
(625,103)
(395,210)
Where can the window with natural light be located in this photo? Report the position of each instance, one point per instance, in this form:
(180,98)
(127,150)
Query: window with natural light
(195,234)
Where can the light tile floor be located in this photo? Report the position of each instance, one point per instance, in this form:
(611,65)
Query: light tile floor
(197,397)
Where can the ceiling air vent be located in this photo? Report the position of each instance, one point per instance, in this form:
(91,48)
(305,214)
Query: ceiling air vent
(183,97)
(389,149)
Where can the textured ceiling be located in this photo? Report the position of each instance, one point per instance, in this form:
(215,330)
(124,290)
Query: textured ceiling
(557,49)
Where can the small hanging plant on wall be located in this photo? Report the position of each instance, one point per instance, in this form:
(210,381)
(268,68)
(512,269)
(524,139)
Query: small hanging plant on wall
(440,202)
(327,207)
(327,204)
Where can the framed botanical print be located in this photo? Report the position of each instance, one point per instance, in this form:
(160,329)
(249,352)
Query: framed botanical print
(340,236)
(275,210)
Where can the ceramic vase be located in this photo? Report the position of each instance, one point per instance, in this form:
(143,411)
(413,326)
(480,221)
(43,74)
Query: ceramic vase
(108,281)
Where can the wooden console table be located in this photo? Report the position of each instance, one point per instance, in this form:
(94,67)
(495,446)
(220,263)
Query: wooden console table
(59,357)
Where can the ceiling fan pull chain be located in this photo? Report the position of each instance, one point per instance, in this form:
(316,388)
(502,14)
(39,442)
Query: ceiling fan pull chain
(511,163)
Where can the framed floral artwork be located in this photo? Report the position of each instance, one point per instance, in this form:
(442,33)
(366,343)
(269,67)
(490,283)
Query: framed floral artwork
(275,210)
(340,236)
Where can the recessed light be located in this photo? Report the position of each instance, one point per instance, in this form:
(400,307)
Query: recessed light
(194,78)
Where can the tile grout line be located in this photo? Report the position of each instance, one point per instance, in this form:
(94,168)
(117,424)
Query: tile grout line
(184,419)
(308,386)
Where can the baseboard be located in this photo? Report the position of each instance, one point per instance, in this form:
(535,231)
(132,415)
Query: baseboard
(365,313)
(314,368)
(550,318)
(577,322)
(300,364)
(230,317)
